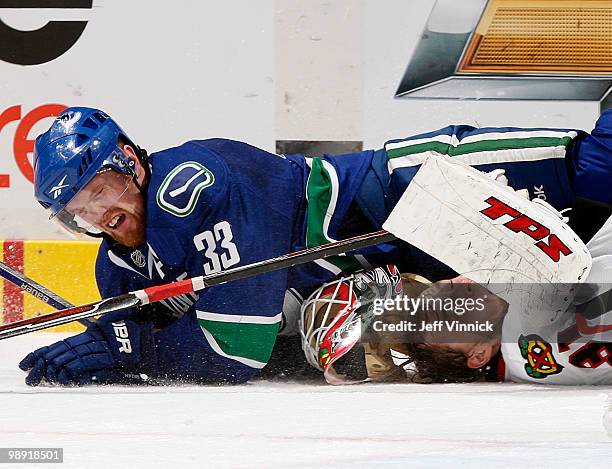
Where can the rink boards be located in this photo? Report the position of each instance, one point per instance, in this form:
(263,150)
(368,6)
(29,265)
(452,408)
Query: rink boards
(64,267)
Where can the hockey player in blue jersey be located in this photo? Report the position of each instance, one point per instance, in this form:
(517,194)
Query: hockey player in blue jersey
(210,205)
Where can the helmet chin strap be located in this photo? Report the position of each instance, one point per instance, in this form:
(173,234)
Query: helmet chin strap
(97,235)
(143,157)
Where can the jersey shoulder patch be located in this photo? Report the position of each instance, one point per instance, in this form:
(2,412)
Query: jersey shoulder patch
(179,192)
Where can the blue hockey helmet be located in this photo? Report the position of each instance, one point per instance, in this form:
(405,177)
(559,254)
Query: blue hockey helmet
(80,143)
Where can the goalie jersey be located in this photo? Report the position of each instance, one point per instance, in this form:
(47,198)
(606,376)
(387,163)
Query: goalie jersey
(574,352)
(217,204)
(576,349)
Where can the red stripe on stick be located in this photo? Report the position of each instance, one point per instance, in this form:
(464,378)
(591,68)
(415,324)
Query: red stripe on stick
(162,292)
(13,295)
(46,318)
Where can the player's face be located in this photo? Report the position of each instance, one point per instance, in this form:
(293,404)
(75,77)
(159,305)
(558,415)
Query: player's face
(112,203)
(486,308)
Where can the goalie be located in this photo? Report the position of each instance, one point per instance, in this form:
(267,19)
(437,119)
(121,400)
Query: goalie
(344,337)
(550,327)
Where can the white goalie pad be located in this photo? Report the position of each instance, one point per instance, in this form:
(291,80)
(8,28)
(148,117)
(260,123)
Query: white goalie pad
(487,231)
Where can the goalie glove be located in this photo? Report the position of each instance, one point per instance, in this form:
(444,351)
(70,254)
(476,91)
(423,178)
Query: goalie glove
(107,352)
(499,176)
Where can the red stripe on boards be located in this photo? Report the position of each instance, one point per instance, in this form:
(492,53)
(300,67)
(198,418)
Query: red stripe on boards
(13,295)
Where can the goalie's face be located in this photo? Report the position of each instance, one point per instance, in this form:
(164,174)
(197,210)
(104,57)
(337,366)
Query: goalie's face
(477,354)
(472,332)
(111,203)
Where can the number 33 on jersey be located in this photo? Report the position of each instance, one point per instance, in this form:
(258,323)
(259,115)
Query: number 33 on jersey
(219,250)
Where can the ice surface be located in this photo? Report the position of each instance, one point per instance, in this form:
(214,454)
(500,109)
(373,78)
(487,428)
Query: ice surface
(298,425)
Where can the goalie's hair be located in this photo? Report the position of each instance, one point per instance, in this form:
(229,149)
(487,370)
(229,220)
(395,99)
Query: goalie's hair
(445,366)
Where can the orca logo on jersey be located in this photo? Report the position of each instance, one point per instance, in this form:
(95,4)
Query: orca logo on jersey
(521,223)
(179,192)
(538,353)
(43,44)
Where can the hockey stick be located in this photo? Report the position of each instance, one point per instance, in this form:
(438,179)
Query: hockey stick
(161,292)
(36,289)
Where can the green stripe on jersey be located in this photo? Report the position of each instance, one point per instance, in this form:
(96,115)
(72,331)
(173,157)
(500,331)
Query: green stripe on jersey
(245,340)
(322,193)
(319,195)
(481,145)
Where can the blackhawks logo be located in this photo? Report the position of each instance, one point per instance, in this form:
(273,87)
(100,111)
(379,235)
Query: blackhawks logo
(538,353)
(324,357)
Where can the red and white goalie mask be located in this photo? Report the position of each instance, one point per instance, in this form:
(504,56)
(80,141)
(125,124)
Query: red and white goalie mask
(333,317)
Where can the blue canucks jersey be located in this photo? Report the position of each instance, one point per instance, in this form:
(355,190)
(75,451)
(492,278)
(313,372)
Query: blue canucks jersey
(214,205)
(533,159)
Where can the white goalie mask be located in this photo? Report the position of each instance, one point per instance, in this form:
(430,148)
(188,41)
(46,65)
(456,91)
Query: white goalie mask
(333,317)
